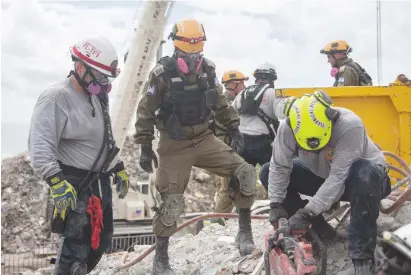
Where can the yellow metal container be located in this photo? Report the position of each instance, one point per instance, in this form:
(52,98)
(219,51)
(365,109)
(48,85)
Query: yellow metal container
(385,111)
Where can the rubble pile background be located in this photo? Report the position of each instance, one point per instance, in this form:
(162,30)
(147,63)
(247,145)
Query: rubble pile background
(213,249)
(24,198)
(23,206)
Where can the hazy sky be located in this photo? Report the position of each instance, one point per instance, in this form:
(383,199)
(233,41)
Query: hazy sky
(241,35)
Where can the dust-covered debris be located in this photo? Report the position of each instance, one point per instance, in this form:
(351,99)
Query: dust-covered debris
(23,206)
(213,250)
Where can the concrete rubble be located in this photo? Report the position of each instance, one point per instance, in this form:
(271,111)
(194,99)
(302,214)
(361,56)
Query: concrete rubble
(212,251)
(24,225)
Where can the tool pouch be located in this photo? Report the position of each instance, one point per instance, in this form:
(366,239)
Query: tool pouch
(58,225)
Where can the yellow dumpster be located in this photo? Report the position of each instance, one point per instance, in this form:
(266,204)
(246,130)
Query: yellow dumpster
(385,111)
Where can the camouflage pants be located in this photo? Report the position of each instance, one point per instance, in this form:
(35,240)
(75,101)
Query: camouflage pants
(176,158)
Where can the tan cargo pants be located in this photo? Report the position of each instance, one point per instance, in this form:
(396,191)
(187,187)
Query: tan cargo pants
(176,158)
(224,204)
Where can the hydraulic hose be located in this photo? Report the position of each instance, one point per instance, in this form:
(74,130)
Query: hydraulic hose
(139,258)
(406,195)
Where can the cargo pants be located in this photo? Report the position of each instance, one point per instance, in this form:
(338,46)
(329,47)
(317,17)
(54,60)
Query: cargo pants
(176,158)
(77,243)
(365,186)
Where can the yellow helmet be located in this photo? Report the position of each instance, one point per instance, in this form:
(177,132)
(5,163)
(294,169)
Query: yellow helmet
(188,36)
(233,75)
(311,118)
(336,46)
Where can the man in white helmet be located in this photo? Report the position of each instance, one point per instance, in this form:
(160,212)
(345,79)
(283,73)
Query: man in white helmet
(259,110)
(72,147)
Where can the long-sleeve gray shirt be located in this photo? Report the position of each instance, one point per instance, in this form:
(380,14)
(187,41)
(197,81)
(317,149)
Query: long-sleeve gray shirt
(62,128)
(349,142)
(272,106)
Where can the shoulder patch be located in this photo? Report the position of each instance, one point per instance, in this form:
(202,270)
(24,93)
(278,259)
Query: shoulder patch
(158,69)
(341,69)
(151,89)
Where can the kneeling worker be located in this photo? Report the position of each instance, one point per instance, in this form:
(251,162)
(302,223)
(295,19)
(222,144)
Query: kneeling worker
(336,160)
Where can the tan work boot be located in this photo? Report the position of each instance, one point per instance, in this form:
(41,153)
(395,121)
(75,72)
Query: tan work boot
(244,239)
(161,265)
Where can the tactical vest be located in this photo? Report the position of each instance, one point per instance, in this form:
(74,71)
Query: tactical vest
(186,103)
(364,78)
(251,99)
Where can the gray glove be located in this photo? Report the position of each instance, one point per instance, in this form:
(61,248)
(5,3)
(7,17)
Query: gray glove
(277,212)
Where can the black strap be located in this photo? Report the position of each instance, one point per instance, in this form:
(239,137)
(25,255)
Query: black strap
(268,122)
(108,141)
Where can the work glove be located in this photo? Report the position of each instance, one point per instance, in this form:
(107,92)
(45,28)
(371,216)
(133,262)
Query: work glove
(277,212)
(64,194)
(121,180)
(237,141)
(147,155)
(300,221)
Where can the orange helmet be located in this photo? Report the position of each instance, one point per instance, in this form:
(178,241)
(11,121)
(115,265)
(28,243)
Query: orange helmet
(233,75)
(336,46)
(188,36)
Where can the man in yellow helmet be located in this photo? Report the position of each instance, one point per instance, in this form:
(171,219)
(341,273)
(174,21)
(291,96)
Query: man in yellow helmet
(184,90)
(324,152)
(345,71)
(233,82)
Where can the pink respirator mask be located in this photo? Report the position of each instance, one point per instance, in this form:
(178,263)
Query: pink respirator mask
(189,62)
(334,71)
(100,83)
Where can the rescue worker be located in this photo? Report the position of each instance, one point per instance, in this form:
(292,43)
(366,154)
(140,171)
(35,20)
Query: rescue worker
(72,148)
(233,82)
(259,110)
(403,80)
(185,90)
(345,71)
(393,255)
(324,152)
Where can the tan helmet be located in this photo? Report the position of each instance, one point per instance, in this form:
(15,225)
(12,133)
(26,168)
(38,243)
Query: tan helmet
(336,46)
(233,75)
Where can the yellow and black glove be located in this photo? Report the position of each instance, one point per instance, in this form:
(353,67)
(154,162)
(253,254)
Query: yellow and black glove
(64,194)
(121,180)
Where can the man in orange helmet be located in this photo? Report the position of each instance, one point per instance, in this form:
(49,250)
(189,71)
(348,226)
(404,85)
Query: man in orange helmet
(233,82)
(184,90)
(345,71)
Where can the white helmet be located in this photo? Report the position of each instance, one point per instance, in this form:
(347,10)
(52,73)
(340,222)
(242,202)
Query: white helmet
(97,53)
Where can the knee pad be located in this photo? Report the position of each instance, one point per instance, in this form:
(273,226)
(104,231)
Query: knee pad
(78,268)
(245,177)
(365,178)
(171,209)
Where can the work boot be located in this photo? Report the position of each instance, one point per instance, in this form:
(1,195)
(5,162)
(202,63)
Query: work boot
(364,267)
(324,230)
(244,239)
(161,265)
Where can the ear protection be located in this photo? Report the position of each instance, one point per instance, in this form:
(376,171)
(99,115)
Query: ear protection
(331,113)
